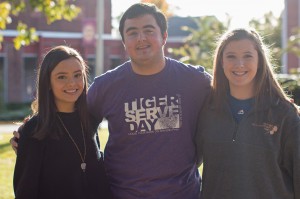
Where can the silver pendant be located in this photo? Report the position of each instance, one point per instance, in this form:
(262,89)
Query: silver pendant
(241,112)
(83,166)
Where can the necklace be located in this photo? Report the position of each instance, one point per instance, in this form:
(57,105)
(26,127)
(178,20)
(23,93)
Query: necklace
(83,164)
(241,112)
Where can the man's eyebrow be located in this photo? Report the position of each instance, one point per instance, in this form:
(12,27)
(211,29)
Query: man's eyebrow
(149,26)
(135,28)
(131,28)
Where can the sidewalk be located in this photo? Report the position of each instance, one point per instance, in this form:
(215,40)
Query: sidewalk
(9,128)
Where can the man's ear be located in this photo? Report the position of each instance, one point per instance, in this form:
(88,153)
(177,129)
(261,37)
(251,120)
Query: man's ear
(165,37)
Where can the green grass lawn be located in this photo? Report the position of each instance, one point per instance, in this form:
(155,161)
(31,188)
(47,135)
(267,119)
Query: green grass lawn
(7,163)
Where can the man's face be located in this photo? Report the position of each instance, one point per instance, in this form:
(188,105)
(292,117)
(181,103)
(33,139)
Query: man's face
(143,40)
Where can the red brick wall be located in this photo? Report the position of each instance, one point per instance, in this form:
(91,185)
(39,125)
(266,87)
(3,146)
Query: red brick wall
(88,10)
(14,73)
(292,8)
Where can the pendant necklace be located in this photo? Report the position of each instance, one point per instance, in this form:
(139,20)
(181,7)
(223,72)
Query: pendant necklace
(241,112)
(83,164)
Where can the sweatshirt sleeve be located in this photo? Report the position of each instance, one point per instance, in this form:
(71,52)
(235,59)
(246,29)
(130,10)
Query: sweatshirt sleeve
(28,166)
(296,162)
(94,100)
(291,155)
(199,139)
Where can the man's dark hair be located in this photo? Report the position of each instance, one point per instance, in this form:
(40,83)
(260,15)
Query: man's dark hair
(140,9)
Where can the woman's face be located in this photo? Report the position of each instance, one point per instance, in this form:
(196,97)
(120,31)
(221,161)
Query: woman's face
(67,83)
(240,64)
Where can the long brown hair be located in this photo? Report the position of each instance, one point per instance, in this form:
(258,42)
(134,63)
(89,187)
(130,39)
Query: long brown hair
(266,85)
(44,105)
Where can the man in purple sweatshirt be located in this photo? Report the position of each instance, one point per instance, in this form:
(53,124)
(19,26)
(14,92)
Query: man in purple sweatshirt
(151,103)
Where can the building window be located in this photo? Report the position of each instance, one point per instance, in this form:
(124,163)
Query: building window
(115,62)
(30,72)
(91,63)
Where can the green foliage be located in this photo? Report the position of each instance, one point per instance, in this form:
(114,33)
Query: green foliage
(53,10)
(163,5)
(293,42)
(18,6)
(291,84)
(4,16)
(13,112)
(199,46)
(269,27)
(25,37)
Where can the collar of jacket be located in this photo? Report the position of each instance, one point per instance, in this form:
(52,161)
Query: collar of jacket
(265,102)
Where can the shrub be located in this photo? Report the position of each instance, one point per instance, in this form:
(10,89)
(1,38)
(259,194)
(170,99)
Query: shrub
(291,84)
(15,112)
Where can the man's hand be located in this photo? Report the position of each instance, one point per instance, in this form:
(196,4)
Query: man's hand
(14,141)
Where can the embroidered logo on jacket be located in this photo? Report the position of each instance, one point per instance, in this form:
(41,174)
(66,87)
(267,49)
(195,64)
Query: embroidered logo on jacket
(270,128)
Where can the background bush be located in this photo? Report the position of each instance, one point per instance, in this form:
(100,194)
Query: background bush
(14,112)
(291,84)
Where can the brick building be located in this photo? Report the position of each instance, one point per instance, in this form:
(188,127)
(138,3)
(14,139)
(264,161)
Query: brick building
(291,21)
(17,68)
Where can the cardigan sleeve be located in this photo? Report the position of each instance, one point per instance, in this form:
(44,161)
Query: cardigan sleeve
(28,166)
